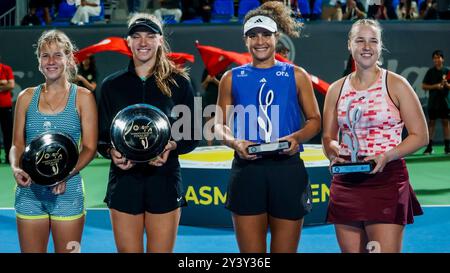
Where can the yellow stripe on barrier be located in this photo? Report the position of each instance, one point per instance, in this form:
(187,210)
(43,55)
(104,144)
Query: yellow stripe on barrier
(209,156)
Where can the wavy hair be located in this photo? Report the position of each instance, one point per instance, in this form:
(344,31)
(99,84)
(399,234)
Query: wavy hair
(281,14)
(59,38)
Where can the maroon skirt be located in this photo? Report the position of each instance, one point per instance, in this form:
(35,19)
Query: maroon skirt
(385,197)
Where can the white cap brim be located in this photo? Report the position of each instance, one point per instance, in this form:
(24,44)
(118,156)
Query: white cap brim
(260,21)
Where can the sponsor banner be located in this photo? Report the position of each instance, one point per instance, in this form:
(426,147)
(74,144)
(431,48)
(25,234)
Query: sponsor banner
(206,171)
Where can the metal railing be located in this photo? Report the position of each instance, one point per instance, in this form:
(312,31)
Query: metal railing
(8,18)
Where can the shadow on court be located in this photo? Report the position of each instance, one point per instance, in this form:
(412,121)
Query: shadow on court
(429,234)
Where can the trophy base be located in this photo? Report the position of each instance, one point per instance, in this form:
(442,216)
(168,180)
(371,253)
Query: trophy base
(353,167)
(268,148)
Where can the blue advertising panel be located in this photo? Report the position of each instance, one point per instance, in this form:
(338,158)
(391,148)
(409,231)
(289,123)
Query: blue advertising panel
(205,174)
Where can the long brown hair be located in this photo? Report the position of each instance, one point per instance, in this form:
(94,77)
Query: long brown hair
(164,68)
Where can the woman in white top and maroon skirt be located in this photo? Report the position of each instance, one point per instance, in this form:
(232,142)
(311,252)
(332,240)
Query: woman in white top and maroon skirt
(370,210)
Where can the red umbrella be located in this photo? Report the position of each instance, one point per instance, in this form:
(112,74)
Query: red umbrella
(120,45)
(116,44)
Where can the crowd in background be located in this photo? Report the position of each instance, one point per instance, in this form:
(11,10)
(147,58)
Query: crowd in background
(41,12)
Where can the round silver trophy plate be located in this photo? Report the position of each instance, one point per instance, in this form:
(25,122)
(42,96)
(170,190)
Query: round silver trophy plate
(140,132)
(50,157)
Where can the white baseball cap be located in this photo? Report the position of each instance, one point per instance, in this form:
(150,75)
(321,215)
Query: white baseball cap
(262,22)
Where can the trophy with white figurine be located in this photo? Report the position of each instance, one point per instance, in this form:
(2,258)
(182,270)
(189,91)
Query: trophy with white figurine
(265,124)
(351,141)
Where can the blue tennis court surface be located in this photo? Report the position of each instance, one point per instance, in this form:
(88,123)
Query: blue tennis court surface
(429,234)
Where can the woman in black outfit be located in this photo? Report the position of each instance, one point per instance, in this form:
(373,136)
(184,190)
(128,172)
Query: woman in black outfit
(145,197)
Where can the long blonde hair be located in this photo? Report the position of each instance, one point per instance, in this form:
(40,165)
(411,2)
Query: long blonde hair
(59,38)
(165,68)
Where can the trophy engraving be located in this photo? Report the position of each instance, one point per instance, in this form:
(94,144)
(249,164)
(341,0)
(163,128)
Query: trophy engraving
(50,157)
(140,132)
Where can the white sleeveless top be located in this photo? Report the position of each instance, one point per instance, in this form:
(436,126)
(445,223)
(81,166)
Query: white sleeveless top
(378,127)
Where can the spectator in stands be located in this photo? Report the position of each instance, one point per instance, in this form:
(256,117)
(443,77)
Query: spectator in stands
(428,10)
(56,4)
(436,82)
(87,74)
(293,5)
(312,9)
(206,10)
(195,9)
(30,19)
(407,10)
(133,6)
(45,5)
(6,85)
(316,9)
(336,13)
(354,10)
(85,9)
(190,9)
(296,10)
(385,11)
(169,8)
